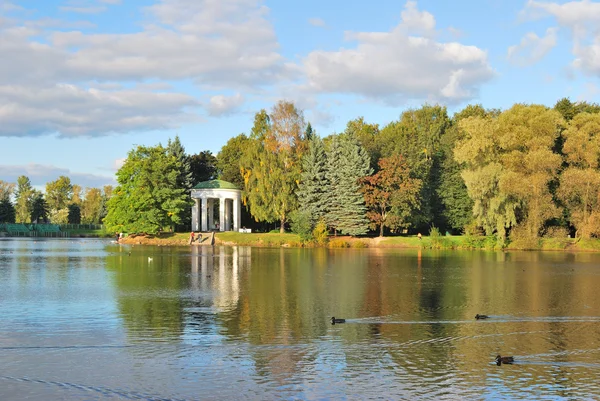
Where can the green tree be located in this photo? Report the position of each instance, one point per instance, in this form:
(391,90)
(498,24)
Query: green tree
(313,186)
(457,207)
(39,207)
(569,110)
(417,137)
(59,193)
(368,136)
(509,164)
(147,199)
(580,181)
(204,167)
(229,160)
(74,216)
(76,197)
(271,164)
(23,200)
(7,211)
(91,206)
(391,195)
(347,163)
(185,177)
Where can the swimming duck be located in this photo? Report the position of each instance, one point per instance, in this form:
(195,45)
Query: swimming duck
(478,316)
(504,359)
(334,320)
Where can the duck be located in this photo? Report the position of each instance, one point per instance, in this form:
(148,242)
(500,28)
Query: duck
(478,316)
(504,359)
(149,259)
(334,320)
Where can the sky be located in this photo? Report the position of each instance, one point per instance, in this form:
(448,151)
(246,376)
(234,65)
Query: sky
(83,82)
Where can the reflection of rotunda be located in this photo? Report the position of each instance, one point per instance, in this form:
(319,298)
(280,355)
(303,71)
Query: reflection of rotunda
(204,195)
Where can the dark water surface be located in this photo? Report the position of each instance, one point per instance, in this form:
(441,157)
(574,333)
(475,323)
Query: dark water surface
(86,320)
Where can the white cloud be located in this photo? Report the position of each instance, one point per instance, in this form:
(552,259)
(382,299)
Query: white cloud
(73,111)
(83,9)
(317,22)
(221,105)
(40,174)
(118,163)
(224,44)
(396,66)
(581,19)
(532,48)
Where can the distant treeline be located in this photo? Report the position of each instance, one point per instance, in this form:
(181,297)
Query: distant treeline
(519,174)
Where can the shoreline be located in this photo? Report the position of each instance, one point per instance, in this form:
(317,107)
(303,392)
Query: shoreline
(289,240)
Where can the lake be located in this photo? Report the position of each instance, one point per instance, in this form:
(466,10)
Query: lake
(88,319)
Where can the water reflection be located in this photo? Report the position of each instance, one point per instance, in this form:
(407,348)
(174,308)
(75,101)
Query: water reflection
(231,322)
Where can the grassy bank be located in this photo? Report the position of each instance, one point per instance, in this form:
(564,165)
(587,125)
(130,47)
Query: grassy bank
(427,242)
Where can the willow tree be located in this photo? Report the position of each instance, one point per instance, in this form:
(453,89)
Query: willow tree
(271,164)
(580,181)
(509,164)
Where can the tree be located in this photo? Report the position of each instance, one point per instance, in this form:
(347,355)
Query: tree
(39,207)
(391,194)
(347,163)
(147,199)
(76,198)
(74,216)
(7,210)
(271,164)
(569,110)
(509,164)
(185,178)
(204,167)
(313,185)
(59,193)
(6,189)
(368,136)
(23,200)
(229,159)
(417,137)
(91,207)
(580,181)
(457,207)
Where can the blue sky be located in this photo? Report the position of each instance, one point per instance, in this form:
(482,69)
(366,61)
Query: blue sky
(82,82)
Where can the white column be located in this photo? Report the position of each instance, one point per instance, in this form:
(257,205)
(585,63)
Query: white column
(204,215)
(227,214)
(195,211)
(236,214)
(221,214)
(211,214)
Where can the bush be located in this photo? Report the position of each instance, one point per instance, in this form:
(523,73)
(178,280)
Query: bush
(556,232)
(359,244)
(320,235)
(301,224)
(338,243)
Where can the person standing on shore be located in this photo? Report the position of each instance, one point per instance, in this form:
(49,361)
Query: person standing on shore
(191,237)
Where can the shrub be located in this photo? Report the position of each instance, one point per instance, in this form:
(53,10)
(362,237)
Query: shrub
(359,244)
(320,235)
(301,224)
(338,243)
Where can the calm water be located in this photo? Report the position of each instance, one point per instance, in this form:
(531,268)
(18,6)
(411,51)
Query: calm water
(87,319)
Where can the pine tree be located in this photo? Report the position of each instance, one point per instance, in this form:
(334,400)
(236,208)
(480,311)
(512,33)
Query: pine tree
(39,207)
(185,177)
(348,162)
(313,186)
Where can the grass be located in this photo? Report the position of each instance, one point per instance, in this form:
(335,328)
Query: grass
(448,242)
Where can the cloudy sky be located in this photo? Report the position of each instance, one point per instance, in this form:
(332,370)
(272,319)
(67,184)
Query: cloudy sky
(84,81)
